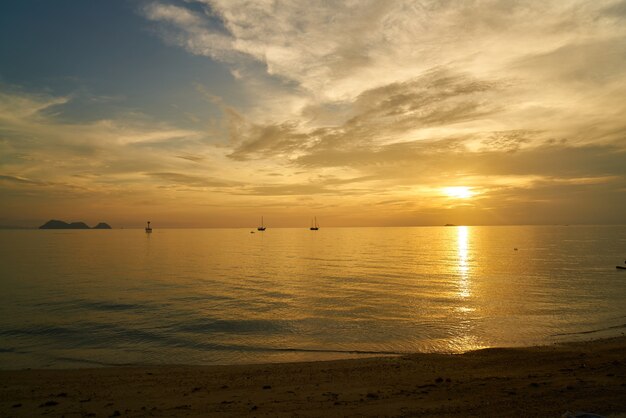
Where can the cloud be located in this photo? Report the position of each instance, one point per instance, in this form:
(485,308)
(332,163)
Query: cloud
(190,180)
(274,140)
(37,149)
(424,162)
(287,190)
(189,30)
(390,113)
(15,107)
(508,141)
(319,185)
(342,64)
(597,62)
(384,102)
(18,180)
(190,157)
(616,10)
(336,50)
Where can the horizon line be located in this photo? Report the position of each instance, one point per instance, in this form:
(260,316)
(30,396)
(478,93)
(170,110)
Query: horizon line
(8,227)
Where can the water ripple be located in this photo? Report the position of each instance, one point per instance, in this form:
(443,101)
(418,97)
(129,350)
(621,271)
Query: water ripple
(223,296)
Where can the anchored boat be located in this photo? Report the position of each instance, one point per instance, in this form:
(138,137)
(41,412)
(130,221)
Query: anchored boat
(262,227)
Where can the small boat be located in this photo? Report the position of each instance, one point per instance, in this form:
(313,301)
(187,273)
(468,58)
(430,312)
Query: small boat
(314,226)
(262,227)
(148,229)
(620,267)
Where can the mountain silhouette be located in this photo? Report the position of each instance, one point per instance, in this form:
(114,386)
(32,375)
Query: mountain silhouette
(56,224)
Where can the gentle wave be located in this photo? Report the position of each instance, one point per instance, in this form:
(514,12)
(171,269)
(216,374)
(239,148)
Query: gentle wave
(224,296)
(593,331)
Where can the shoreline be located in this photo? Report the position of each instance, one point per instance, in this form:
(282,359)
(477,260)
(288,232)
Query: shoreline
(537,381)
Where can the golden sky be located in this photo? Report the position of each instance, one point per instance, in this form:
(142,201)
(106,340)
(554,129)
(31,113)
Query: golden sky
(213,113)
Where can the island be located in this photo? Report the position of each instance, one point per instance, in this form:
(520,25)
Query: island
(56,224)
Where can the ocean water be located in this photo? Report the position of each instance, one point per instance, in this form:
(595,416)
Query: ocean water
(84,298)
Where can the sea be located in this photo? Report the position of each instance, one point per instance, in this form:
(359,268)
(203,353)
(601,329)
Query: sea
(91,298)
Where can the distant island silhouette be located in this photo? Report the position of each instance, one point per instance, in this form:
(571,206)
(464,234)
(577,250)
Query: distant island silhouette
(102,225)
(56,224)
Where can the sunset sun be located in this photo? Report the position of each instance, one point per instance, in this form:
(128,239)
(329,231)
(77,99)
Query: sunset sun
(460,192)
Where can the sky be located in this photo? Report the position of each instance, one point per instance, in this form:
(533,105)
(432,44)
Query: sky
(213,113)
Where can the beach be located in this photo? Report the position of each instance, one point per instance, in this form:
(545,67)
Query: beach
(542,381)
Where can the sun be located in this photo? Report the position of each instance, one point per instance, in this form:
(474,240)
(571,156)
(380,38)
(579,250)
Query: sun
(459,192)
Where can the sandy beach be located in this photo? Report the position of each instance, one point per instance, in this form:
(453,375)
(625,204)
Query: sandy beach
(530,382)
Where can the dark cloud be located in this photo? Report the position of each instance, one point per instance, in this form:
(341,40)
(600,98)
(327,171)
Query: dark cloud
(19,180)
(437,98)
(190,180)
(556,201)
(434,162)
(285,190)
(554,161)
(596,62)
(14,187)
(321,185)
(361,156)
(307,189)
(616,10)
(272,140)
(508,141)
(191,157)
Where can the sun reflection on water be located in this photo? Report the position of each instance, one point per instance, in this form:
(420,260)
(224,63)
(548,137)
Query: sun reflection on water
(465,338)
(464,268)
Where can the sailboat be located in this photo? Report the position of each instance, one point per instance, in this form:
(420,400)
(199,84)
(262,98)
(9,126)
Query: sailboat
(262,227)
(314,226)
(148,229)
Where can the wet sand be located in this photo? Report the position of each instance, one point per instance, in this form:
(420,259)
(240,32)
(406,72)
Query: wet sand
(511,382)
